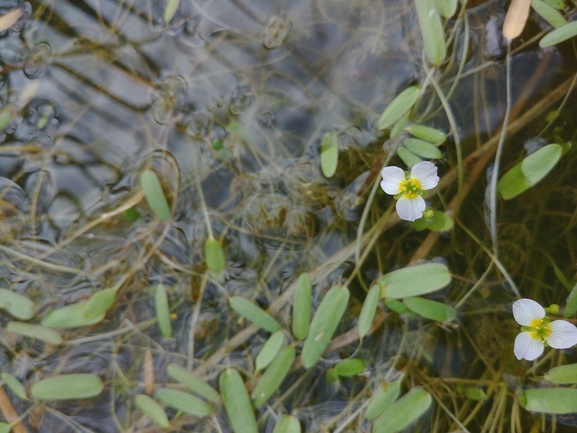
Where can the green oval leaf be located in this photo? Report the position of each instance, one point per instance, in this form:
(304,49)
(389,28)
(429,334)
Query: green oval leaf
(403,412)
(396,306)
(15,385)
(548,13)
(331,377)
(422,148)
(5,118)
(399,106)
(329,153)
(414,280)
(446,8)
(368,311)
(67,387)
(152,409)
(35,331)
(559,35)
(214,254)
(99,303)
(408,157)
(399,125)
(382,399)
(430,309)
(427,133)
(564,374)
(431,31)
(571,303)
(196,384)
(4,428)
(302,306)
(550,400)
(350,367)
(273,376)
(557,4)
(185,402)
(18,306)
(170,10)
(162,311)
(154,195)
(475,393)
(269,350)
(440,222)
(237,402)
(324,324)
(254,313)
(287,424)
(71,316)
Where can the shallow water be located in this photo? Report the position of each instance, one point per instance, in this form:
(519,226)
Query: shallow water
(232,99)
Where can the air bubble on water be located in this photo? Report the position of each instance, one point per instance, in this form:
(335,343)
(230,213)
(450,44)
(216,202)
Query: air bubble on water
(38,61)
(276,32)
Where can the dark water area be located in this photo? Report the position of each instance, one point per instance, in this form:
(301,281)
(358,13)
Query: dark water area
(228,103)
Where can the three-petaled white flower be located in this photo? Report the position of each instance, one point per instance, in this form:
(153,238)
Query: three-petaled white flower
(409,188)
(538,331)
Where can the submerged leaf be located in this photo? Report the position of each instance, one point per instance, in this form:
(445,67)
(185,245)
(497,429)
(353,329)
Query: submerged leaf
(350,367)
(548,13)
(162,311)
(152,409)
(71,316)
(329,153)
(382,399)
(422,148)
(562,375)
(408,157)
(402,413)
(154,195)
(287,424)
(237,402)
(99,303)
(16,305)
(571,306)
(431,31)
(67,387)
(368,311)
(549,400)
(446,8)
(215,259)
(559,35)
(254,313)
(427,133)
(324,324)
(430,309)
(302,307)
(414,280)
(269,350)
(399,107)
(273,376)
(185,402)
(35,331)
(196,384)
(15,385)
(170,10)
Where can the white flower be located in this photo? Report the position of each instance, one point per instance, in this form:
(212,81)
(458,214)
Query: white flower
(408,188)
(538,331)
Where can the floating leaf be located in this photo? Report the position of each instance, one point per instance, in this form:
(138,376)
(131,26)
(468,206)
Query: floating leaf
(171,8)
(516,18)
(428,134)
(154,195)
(475,393)
(9,19)
(414,280)
(399,107)
(399,125)
(408,157)
(548,13)
(564,374)
(382,399)
(324,324)
(287,424)
(446,8)
(329,153)
(549,400)
(402,413)
(185,402)
(571,306)
(350,367)
(162,311)
(99,303)
(254,313)
(273,376)
(422,148)
(269,350)
(152,409)
(529,172)
(16,305)
(368,311)
(71,316)
(214,254)
(302,307)
(237,402)
(396,306)
(431,31)
(430,309)
(67,387)
(559,35)
(15,385)
(557,4)
(35,331)
(196,384)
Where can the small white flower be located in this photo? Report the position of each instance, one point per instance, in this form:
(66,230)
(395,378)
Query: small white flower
(408,188)
(538,331)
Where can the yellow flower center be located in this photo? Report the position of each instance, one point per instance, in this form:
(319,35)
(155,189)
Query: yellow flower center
(540,329)
(410,188)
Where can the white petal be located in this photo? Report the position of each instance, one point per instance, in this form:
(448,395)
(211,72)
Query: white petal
(410,209)
(392,177)
(426,173)
(526,347)
(527,310)
(563,335)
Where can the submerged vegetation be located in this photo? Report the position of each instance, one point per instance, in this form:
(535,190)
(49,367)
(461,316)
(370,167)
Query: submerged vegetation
(194,235)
